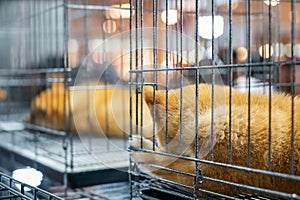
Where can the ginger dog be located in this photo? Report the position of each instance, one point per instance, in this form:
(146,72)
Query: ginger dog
(91,111)
(185,144)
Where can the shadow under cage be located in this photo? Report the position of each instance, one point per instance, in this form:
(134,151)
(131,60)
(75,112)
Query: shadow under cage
(220,80)
(64,93)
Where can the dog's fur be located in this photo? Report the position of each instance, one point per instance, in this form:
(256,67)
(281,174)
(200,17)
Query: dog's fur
(90,111)
(281,129)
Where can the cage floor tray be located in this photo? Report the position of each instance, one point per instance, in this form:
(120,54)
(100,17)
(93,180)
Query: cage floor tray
(93,161)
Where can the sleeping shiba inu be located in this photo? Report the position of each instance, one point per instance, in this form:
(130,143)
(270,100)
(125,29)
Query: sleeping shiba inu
(187,130)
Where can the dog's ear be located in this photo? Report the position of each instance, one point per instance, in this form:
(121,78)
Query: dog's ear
(159,97)
(148,94)
(162,101)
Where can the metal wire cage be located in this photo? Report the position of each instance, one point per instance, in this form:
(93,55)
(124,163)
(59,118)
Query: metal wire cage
(220,79)
(13,189)
(55,55)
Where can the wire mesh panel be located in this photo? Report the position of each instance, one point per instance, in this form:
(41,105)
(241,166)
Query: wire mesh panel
(221,86)
(13,189)
(64,94)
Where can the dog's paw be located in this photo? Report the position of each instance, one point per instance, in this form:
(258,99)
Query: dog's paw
(140,142)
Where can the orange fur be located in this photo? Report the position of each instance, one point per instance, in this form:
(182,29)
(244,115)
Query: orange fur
(48,108)
(259,133)
(104,110)
(3,94)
